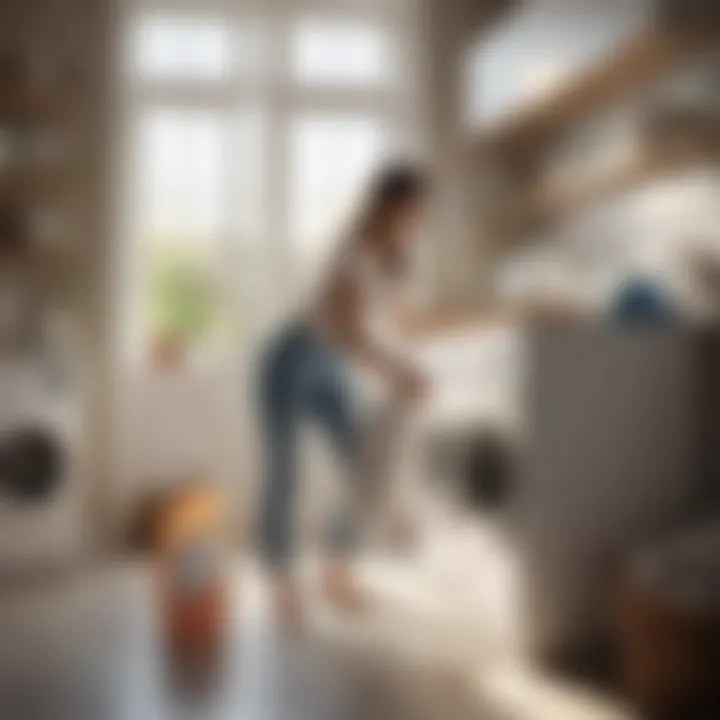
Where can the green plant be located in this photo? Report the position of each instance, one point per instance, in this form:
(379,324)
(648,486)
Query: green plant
(183,297)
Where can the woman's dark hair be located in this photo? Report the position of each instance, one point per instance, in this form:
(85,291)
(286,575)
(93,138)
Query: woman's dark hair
(393,187)
(397,184)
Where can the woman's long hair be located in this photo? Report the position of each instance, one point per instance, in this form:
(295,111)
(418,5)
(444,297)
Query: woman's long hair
(393,188)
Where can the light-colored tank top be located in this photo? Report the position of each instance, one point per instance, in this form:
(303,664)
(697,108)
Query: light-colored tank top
(380,293)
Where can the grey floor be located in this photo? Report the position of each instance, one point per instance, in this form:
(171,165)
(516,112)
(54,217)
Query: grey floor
(86,647)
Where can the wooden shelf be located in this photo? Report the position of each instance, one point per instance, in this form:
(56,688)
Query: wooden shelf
(640,61)
(33,260)
(545,310)
(20,103)
(551,204)
(30,185)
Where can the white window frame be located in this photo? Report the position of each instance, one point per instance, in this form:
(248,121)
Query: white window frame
(278,97)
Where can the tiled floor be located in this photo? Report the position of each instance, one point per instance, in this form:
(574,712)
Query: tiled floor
(87,648)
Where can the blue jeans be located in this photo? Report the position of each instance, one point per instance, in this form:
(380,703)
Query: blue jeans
(301,379)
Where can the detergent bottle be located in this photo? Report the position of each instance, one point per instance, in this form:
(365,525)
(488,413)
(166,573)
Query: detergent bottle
(193,582)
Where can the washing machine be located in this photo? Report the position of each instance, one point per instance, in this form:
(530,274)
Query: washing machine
(471,429)
(40,470)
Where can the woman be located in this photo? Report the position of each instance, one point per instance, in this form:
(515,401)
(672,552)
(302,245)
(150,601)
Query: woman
(304,376)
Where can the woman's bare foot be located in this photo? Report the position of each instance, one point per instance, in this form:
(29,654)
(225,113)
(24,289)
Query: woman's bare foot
(342,590)
(287,603)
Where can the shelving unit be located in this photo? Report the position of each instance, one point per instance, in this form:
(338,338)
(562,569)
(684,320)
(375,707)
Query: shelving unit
(645,58)
(549,204)
(37,262)
(26,114)
(521,143)
(17,102)
(545,162)
(31,185)
(42,352)
(34,178)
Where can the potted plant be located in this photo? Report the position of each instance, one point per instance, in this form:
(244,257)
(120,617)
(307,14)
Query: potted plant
(182,304)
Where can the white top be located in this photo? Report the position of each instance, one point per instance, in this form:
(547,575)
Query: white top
(380,292)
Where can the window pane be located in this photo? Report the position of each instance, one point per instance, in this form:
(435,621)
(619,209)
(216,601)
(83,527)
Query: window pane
(181,213)
(172,47)
(332,157)
(340,52)
(181,177)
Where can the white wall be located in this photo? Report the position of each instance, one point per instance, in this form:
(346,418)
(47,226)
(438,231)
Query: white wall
(187,424)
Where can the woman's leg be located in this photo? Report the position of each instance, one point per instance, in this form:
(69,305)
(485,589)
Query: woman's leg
(279,409)
(276,532)
(333,407)
(278,493)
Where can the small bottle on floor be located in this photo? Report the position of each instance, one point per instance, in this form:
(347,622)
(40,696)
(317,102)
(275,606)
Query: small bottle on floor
(193,587)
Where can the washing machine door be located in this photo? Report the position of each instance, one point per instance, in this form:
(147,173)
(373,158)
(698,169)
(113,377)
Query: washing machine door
(31,465)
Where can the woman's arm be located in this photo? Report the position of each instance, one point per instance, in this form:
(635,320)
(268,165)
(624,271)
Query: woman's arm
(429,325)
(343,308)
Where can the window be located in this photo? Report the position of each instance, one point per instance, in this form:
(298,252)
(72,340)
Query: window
(255,130)
(332,157)
(181,164)
(340,53)
(173,47)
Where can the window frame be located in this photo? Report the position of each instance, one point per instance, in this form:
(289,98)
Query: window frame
(280,99)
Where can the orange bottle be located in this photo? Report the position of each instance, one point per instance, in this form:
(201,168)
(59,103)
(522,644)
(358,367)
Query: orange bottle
(193,587)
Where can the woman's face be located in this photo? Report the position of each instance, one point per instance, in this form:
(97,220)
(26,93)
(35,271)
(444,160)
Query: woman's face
(404,222)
